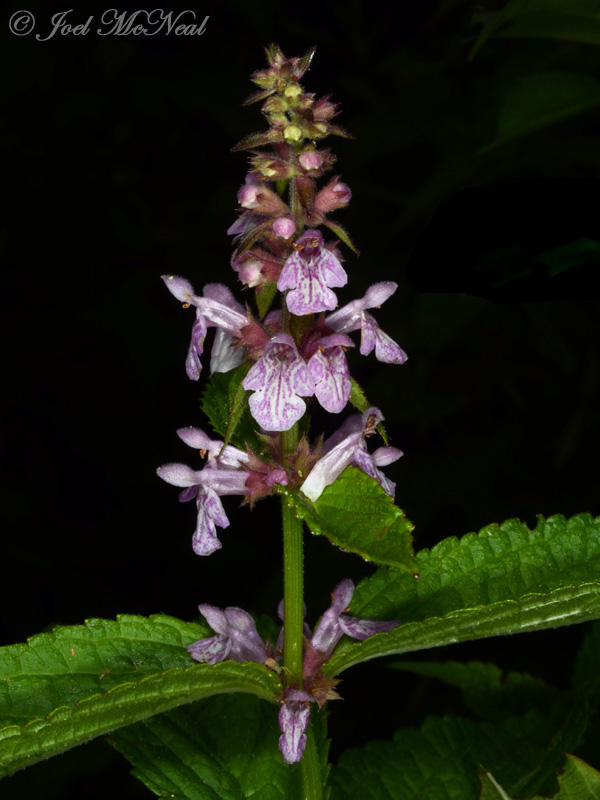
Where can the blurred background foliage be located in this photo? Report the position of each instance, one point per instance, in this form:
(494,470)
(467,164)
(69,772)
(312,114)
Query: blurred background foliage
(475,180)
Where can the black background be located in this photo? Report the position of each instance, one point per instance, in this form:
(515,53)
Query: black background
(118,162)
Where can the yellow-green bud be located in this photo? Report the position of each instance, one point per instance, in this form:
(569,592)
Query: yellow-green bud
(293,90)
(292,133)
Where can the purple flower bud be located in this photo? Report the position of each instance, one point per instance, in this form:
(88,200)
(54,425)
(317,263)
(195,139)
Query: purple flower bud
(310,160)
(257,197)
(354,316)
(334,195)
(348,446)
(309,272)
(284,227)
(277,379)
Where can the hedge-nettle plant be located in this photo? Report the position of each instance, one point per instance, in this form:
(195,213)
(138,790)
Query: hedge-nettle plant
(293,350)
(258,731)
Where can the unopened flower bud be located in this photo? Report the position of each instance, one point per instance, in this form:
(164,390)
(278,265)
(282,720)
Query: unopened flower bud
(334,195)
(292,133)
(311,159)
(256,197)
(293,90)
(284,227)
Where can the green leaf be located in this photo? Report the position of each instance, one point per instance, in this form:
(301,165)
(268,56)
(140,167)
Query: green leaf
(564,606)
(538,101)
(500,562)
(487,691)
(76,661)
(571,20)
(505,579)
(66,687)
(359,400)
(442,759)
(264,298)
(224,747)
(357,515)
(124,704)
(579,781)
(224,403)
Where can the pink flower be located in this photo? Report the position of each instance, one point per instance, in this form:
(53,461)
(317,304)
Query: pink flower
(348,446)
(309,272)
(278,379)
(353,317)
(329,371)
(216,308)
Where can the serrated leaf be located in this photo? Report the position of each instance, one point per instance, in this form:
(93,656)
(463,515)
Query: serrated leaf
(124,704)
(579,781)
(444,759)
(224,747)
(264,298)
(76,661)
(77,682)
(564,606)
(537,101)
(499,562)
(359,400)
(441,760)
(357,515)
(224,403)
(341,234)
(506,579)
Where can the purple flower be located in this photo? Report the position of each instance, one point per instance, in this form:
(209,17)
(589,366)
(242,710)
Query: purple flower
(278,378)
(206,486)
(309,272)
(218,454)
(329,372)
(293,722)
(353,317)
(334,624)
(348,446)
(236,637)
(216,308)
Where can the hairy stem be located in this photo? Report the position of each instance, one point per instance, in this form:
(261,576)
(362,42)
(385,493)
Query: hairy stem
(293,576)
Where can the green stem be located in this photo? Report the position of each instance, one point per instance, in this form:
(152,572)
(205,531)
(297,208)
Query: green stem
(311,769)
(293,576)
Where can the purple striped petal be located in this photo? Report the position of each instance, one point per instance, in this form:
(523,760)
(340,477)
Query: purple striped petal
(293,721)
(386,349)
(363,628)
(210,650)
(277,378)
(331,377)
(210,514)
(310,272)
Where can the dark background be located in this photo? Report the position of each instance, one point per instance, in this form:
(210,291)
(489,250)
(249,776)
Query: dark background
(118,162)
